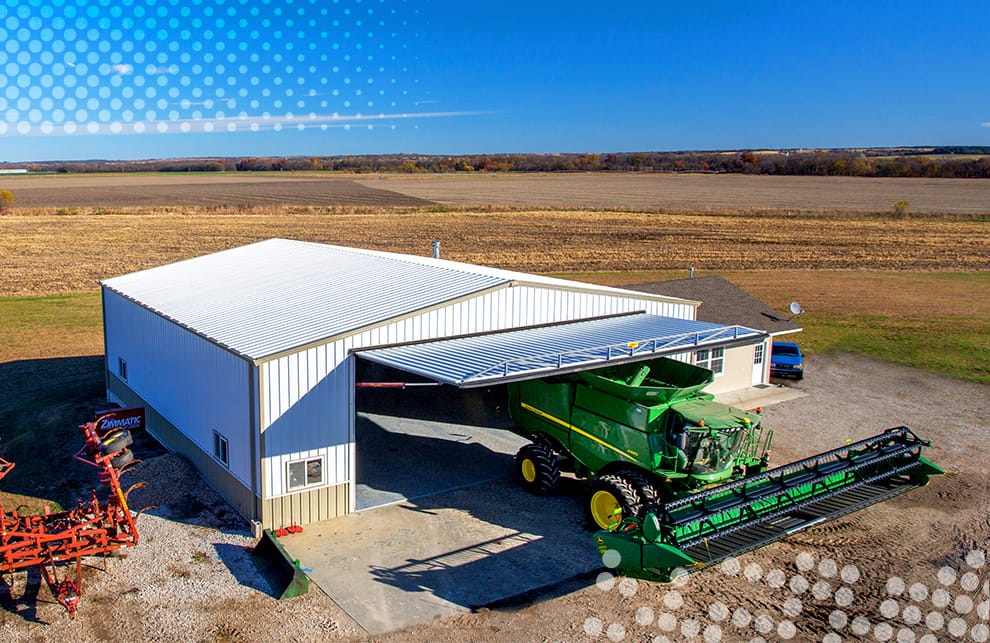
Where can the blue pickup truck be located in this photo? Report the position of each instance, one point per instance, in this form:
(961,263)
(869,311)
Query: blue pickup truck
(786,360)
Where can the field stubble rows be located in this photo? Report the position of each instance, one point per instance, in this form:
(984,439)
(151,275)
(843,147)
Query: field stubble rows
(63,253)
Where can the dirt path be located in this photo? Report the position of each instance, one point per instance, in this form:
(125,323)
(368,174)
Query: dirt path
(915,566)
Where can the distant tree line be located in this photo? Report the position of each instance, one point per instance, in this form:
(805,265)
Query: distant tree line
(932,162)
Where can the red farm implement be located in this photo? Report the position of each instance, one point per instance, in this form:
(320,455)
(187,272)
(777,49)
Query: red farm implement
(94,528)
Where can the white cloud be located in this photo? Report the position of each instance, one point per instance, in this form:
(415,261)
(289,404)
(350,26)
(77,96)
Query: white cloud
(121,69)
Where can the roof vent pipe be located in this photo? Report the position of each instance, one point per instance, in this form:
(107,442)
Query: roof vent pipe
(691,272)
(436,249)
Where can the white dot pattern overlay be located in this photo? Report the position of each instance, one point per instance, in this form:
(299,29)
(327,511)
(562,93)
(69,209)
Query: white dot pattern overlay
(179,66)
(953,604)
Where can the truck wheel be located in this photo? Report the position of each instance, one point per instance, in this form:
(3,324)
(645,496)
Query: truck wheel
(537,467)
(610,499)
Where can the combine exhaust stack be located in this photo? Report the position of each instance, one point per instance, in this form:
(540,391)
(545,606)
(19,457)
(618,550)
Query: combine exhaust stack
(706,527)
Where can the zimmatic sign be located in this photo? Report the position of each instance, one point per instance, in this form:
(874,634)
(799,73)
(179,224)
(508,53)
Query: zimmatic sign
(131,418)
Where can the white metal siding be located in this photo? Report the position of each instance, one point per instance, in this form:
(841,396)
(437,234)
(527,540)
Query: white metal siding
(195,385)
(307,408)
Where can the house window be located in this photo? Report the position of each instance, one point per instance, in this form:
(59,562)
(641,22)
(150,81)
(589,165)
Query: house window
(122,368)
(220,449)
(712,359)
(305,473)
(758,354)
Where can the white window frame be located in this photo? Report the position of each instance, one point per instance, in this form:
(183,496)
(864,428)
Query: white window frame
(711,358)
(221,449)
(307,483)
(758,353)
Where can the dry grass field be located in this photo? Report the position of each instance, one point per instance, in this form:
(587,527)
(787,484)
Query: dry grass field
(49,253)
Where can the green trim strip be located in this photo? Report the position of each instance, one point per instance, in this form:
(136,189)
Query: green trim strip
(542,414)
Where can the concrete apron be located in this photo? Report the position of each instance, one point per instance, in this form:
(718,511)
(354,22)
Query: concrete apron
(452,552)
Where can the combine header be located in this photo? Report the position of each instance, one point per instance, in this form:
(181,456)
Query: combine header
(93,528)
(679,481)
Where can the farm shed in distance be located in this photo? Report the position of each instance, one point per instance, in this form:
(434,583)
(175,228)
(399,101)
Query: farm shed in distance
(723,302)
(245,359)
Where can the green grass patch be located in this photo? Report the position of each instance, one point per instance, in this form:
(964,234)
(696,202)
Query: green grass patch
(950,345)
(52,325)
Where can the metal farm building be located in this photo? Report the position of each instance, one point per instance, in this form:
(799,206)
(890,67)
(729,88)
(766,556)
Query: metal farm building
(245,359)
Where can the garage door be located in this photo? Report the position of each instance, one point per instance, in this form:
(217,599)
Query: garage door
(493,358)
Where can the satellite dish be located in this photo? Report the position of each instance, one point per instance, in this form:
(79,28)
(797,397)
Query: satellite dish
(795,308)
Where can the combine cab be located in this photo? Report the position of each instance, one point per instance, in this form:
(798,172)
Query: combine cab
(678,480)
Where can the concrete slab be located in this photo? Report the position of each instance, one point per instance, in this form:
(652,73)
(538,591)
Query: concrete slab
(400,458)
(761,395)
(446,553)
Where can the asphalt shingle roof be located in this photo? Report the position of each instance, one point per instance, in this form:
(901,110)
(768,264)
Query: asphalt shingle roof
(723,302)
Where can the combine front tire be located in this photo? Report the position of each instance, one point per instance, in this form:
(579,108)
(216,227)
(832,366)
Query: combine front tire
(610,499)
(537,467)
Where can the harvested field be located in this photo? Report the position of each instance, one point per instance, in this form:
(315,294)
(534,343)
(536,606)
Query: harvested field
(700,192)
(60,253)
(201,190)
(708,193)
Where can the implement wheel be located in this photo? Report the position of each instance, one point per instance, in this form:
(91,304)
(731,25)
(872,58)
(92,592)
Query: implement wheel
(116,441)
(537,467)
(610,499)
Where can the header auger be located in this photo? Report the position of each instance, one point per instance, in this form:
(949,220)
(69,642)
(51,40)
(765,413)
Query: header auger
(679,481)
(93,528)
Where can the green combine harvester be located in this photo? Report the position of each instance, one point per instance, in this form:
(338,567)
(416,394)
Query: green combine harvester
(679,481)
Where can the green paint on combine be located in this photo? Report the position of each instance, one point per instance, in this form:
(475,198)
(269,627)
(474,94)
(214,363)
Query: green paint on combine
(679,481)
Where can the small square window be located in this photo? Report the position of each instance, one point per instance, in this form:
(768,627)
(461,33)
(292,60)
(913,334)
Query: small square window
(220,449)
(122,368)
(758,354)
(305,473)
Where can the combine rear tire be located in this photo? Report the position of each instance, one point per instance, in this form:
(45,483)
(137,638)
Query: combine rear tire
(537,467)
(610,499)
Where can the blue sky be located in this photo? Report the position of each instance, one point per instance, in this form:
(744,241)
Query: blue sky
(136,79)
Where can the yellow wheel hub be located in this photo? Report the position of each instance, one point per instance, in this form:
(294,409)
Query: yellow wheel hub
(605,509)
(528,470)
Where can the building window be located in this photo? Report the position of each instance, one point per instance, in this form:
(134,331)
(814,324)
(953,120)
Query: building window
(122,368)
(305,473)
(220,449)
(712,359)
(758,354)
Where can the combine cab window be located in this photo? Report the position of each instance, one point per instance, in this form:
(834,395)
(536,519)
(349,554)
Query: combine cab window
(712,359)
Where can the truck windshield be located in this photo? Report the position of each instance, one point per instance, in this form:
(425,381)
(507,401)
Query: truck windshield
(711,452)
(785,350)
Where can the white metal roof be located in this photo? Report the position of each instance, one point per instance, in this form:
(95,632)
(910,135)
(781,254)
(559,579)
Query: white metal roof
(480,360)
(273,296)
